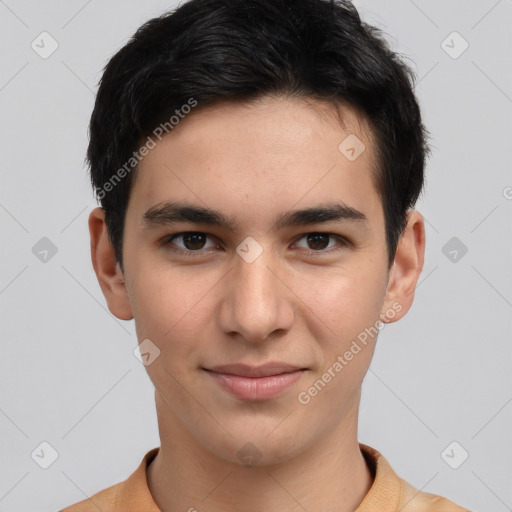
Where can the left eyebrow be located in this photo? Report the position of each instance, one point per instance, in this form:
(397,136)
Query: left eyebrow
(319,214)
(172,212)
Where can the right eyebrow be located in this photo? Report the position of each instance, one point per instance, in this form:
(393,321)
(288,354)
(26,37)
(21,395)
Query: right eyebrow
(171,212)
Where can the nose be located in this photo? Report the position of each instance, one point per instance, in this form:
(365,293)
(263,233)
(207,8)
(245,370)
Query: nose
(256,303)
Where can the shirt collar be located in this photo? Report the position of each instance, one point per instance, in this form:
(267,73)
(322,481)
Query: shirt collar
(384,494)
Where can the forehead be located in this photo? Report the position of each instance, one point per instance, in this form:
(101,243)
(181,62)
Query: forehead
(273,152)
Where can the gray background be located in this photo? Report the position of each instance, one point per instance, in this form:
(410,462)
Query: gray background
(68,373)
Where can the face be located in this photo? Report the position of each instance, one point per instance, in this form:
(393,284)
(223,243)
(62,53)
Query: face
(281,273)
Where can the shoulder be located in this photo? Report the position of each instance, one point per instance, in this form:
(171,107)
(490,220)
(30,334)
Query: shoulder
(413,500)
(105,500)
(130,495)
(390,492)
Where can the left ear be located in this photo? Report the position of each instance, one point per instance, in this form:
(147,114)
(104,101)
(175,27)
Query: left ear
(406,269)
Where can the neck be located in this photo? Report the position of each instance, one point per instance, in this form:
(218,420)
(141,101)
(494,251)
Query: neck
(331,475)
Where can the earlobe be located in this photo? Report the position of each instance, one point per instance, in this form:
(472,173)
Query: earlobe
(406,269)
(107,269)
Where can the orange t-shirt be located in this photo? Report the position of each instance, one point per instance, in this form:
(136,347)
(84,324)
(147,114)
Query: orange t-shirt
(388,493)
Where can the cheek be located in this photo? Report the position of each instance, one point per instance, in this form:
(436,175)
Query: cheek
(160,294)
(170,308)
(345,324)
(171,318)
(348,301)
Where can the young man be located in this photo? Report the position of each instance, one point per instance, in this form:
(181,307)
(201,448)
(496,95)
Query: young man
(257,163)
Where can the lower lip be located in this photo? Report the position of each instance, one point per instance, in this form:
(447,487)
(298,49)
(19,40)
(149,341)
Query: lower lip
(256,388)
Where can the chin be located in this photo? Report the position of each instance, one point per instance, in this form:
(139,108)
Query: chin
(254,447)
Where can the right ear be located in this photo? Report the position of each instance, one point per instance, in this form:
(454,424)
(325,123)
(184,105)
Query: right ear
(107,269)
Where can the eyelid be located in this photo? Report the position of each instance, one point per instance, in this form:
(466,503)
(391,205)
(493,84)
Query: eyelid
(167,241)
(342,242)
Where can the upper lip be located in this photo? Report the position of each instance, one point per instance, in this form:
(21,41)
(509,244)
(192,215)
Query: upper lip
(244,370)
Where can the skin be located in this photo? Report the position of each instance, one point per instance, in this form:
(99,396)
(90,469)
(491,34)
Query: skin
(298,303)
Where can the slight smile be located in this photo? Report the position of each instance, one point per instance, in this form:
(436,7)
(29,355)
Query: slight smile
(256,383)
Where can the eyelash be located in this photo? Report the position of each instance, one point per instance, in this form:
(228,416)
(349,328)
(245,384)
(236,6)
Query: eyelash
(167,241)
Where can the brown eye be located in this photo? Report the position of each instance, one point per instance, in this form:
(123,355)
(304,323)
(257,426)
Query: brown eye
(320,242)
(192,241)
